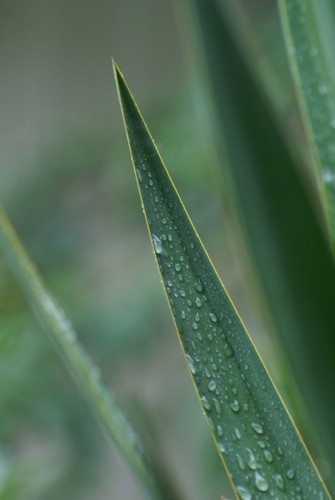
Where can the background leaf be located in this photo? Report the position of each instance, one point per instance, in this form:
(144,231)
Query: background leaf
(310,43)
(63,336)
(277,218)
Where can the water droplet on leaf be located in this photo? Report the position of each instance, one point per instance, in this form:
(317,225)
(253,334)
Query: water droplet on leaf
(261,483)
(212,385)
(205,403)
(157,244)
(290,473)
(235,406)
(280,482)
(198,302)
(257,428)
(213,317)
(268,456)
(243,493)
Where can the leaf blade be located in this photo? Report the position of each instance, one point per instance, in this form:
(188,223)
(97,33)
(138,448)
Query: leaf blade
(213,337)
(313,73)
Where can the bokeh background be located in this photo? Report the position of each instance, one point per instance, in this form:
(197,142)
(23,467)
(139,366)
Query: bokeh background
(68,186)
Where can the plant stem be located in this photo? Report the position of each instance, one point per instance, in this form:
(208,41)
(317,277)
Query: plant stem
(63,336)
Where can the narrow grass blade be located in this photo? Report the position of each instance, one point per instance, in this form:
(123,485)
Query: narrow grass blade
(63,336)
(310,52)
(252,430)
(291,254)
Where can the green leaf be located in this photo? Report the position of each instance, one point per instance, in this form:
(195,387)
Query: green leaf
(310,45)
(252,430)
(291,254)
(63,337)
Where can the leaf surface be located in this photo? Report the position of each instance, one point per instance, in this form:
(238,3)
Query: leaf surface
(252,430)
(309,32)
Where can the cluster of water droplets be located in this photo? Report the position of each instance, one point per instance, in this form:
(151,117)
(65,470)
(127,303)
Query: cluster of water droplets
(217,352)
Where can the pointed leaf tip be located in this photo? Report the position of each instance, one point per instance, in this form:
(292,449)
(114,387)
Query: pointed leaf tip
(116,70)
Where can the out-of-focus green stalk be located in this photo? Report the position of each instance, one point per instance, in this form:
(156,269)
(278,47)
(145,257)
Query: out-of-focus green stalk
(290,252)
(63,337)
(312,63)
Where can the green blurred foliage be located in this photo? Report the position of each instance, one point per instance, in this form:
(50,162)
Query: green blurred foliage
(67,184)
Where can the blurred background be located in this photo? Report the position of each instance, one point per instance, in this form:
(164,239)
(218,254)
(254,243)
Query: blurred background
(68,187)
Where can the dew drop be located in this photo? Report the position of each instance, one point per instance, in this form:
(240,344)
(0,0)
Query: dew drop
(183,315)
(205,403)
(198,285)
(222,447)
(212,385)
(157,244)
(139,176)
(219,429)
(227,351)
(280,482)
(238,433)
(268,456)
(243,493)
(261,483)
(177,267)
(213,317)
(211,424)
(235,406)
(290,473)
(257,428)
(193,367)
(252,460)
(240,461)
(198,302)
(217,406)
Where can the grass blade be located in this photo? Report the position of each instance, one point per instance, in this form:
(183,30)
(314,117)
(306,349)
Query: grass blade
(63,336)
(313,68)
(253,432)
(289,249)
